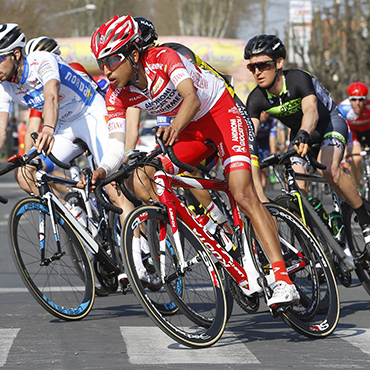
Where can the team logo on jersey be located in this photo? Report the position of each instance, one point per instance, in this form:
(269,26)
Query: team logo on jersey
(157,85)
(221,150)
(110,108)
(239,149)
(234,110)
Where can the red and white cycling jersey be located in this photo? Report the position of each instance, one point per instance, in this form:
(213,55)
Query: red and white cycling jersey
(356,123)
(165,69)
(218,119)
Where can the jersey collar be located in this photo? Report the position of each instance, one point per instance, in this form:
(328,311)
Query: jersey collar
(26,68)
(283,91)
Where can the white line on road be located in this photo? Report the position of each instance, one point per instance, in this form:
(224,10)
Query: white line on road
(161,349)
(48,289)
(7,337)
(358,337)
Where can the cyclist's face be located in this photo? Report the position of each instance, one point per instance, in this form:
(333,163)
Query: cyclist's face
(120,75)
(6,66)
(358,105)
(266,77)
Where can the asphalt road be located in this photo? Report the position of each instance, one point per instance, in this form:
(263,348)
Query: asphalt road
(117,334)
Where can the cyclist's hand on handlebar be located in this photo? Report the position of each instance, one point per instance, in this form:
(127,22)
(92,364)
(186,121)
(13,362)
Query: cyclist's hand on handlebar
(45,140)
(302,142)
(97,174)
(168,135)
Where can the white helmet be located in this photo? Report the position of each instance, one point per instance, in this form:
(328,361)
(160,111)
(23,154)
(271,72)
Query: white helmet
(11,37)
(42,43)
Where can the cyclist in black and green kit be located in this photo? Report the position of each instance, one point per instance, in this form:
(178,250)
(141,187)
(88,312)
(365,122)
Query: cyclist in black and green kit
(301,103)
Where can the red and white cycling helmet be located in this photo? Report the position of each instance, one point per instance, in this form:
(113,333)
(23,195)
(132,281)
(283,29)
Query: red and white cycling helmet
(119,35)
(357,89)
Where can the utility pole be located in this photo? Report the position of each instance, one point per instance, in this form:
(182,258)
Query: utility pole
(263,10)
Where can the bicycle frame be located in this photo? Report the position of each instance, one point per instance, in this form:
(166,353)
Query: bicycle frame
(54,203)
(305,206)
(248,277)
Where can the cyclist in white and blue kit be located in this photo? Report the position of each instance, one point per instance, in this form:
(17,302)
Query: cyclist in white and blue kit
(71,106)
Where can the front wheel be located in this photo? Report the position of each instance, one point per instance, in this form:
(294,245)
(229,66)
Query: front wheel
(59,278)
(195,296)
(317,313)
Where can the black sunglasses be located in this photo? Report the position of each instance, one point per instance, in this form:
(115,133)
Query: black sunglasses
(262,66)
(354,98)
(111,61)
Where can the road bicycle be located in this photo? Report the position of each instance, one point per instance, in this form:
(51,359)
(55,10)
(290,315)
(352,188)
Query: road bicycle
(190,266)
(340,235)
(52,249)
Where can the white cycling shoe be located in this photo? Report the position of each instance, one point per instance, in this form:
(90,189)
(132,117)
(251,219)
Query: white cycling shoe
(153,282)
(283,294)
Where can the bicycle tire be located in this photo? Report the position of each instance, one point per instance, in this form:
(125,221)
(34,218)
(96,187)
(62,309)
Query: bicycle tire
(191,202)
(356,242)
(115,225)
(343,274)
(75,198)
(65,286)
(202,309)
(317,313)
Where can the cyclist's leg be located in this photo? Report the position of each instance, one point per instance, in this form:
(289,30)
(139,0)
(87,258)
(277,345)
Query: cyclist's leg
(232,143)
(63,149)
(356,162)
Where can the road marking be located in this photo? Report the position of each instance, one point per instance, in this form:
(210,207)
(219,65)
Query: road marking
(49,289)
(358,337)
(7,337)
(161,349)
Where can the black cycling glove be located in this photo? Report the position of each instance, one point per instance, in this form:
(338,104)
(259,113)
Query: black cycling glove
(302,137)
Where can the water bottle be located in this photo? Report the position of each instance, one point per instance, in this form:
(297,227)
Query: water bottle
(337,226)
(219,234)
(92,227)
(78,213)
(320,210)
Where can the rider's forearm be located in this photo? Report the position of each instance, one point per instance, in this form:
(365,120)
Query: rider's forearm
(309,120)
(310,114)
(187,111)
(51,104)
(3,123)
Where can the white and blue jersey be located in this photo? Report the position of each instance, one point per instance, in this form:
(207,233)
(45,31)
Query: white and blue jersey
(76,92)
(82,111)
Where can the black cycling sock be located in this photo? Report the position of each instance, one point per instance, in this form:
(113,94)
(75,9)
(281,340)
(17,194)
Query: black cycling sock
(363,216)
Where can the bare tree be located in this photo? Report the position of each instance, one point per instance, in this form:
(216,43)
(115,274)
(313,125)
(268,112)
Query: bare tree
(204,17)
(340,46)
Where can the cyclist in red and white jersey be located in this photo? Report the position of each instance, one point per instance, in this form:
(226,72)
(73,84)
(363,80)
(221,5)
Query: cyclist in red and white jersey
(162,81)
(356,110)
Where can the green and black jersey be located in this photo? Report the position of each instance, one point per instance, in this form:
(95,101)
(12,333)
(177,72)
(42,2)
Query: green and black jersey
(287,106)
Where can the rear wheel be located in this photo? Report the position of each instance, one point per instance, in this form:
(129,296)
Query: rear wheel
(196,295)
(316,314)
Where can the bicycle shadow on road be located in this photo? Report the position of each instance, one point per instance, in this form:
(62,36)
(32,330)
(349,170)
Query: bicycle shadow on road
(351,307)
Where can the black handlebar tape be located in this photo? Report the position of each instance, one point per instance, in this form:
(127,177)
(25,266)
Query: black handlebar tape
(103,202)
(177,162)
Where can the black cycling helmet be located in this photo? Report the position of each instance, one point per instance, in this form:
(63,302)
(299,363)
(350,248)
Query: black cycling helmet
(42,43)
(148,32)
(265,44)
